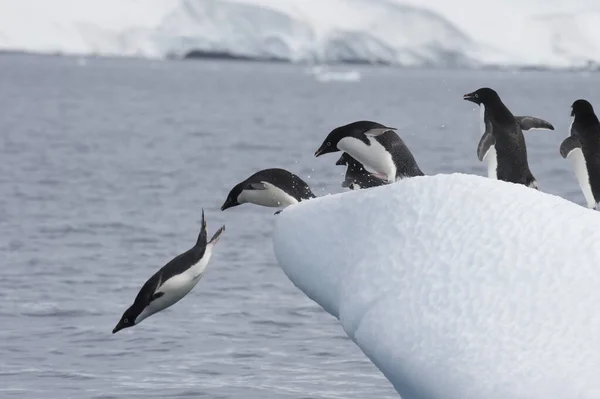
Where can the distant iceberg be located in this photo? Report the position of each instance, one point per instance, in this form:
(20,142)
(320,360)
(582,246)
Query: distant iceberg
(325,74)
(456,286)
(438,33)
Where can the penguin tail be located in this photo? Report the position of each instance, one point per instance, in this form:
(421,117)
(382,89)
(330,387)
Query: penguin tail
(216,236)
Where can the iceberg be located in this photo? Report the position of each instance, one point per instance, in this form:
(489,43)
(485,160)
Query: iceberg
(456,286)
(440,33)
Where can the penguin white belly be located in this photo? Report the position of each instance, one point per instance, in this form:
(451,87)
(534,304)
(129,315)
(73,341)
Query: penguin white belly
(482,118)
(490,156)
(581,173)
(492,162)
(175,288)
(375,157)
(272,197)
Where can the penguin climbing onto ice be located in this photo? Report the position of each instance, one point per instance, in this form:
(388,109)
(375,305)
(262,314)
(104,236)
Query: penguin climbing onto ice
(275,188)
(377,147)
(172,282)
(582,148)
(357,176)
(503,144)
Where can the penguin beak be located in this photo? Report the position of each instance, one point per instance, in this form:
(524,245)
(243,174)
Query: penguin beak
(118,328)
(469,97)
(228,204)
(325,149)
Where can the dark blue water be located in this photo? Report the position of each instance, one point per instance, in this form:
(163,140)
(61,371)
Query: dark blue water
(105,167)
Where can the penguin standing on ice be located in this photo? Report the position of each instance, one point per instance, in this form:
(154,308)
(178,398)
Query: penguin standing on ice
(357,176)
(377,147)
(503,144)
(275,188)
(582,148)
(172,282)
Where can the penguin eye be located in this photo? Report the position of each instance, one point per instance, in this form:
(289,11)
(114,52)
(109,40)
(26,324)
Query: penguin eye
(125,320)
(476,95)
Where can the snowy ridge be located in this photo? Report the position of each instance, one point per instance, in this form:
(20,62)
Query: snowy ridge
(456,286)
(400,32)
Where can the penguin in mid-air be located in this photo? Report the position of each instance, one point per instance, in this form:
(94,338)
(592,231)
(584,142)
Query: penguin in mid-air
(172,282)
(503,144)
(356,175)
(582,148)
(275,188)
(377,147)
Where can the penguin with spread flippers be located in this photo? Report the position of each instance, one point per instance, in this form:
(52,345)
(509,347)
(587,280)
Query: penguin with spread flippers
(377,147)
(582,148)
(172,282)
(275,188)
(357,177)
(503,144)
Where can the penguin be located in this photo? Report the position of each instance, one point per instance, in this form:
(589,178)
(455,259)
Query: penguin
(377,147)
(486,149)
(582,148)
(502,145)
(172,282)
(271,188)
(356,176)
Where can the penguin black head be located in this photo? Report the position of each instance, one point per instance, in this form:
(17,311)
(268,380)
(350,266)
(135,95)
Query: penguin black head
(347,160)
(232,198)
(344,159)
(128,318)
(581,107)
(485,95)
(330,143)
(354,129)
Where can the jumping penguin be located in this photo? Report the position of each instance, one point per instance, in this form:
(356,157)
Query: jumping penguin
(357,177)
(377,147)
(172,282)
(275,188)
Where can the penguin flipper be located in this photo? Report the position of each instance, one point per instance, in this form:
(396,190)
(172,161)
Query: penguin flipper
(531,122)
(569,144)
(378,131)
(217,235)
(256,186)
(486,142)
(156,295)
(201,240)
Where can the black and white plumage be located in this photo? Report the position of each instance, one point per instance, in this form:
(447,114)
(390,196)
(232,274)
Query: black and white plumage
(357,177)
(275,188)
(502,144)
(582,148)
(172,282)
(377,147)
